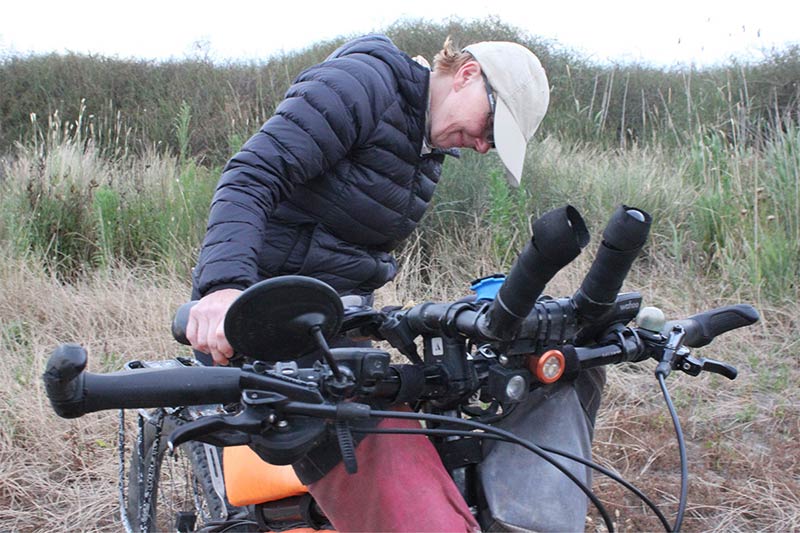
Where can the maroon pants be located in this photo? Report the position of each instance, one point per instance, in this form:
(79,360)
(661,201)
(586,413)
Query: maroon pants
(401,485)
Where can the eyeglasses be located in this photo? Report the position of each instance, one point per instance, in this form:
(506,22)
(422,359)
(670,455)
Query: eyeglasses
(492,105)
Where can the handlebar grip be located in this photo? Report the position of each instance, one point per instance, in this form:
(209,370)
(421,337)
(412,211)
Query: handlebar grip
(74,392)
(558,237)
(63,380)
(703,327)
(180,321)
(623,239)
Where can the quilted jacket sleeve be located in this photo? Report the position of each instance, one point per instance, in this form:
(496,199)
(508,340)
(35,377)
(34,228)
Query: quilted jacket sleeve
(325,113)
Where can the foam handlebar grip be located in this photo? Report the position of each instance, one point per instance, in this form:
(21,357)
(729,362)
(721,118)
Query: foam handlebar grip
(558,237)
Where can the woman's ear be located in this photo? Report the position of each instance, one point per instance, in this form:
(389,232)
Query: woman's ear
(469,72)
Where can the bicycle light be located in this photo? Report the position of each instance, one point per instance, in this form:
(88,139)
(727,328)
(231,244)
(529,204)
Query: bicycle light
(516,387)
(548,367)
(508,386)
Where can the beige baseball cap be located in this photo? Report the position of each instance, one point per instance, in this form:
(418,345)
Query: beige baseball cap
(522,95)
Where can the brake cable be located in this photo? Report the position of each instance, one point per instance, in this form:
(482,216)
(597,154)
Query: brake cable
(670,355)
(681,450)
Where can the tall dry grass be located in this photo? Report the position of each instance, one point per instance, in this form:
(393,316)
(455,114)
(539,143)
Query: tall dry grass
(58,475)
(713,153)
(79,200)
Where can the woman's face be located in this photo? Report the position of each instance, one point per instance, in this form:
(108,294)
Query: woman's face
(463,118)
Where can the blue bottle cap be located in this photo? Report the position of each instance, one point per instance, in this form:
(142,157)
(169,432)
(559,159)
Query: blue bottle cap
(486,288)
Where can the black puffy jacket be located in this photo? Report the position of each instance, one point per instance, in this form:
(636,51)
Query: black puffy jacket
(332,182)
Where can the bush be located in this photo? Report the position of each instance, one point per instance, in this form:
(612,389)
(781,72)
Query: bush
(612,105)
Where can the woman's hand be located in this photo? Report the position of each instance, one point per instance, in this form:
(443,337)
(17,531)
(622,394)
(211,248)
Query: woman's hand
(206,327)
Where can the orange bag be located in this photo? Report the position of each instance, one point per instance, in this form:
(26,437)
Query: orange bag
(250,480)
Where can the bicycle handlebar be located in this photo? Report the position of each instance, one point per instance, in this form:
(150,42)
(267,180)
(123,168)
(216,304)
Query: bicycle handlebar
(623,239)
(74,392)
(558,237)
(180,321)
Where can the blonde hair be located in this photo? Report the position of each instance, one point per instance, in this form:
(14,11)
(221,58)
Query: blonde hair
(450,58)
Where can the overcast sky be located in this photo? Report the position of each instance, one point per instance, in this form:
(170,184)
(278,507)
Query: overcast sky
(662,33)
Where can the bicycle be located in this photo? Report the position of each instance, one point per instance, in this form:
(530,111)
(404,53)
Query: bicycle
(481,357)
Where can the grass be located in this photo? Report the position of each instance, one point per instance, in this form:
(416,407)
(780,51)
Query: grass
(76,209)
(712,154)
(740,434)
(60,475)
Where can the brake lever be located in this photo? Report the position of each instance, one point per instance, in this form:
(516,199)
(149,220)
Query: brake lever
(231,429)
(361,318)
(672,352)
(694,365)
(217,430)
(397,332)
(677,356)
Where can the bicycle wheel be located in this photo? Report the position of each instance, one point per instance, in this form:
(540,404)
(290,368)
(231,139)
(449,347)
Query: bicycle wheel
(171,492)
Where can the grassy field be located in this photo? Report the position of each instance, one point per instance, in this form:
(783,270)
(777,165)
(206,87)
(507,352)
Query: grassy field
(741,434)
(103,200)
(61,475)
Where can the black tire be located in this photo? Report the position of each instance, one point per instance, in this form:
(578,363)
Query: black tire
(182,493)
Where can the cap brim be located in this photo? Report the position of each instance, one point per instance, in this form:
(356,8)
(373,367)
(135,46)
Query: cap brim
(510,142)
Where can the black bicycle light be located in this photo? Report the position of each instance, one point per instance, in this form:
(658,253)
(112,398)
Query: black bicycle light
(623,239)
(558,237)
